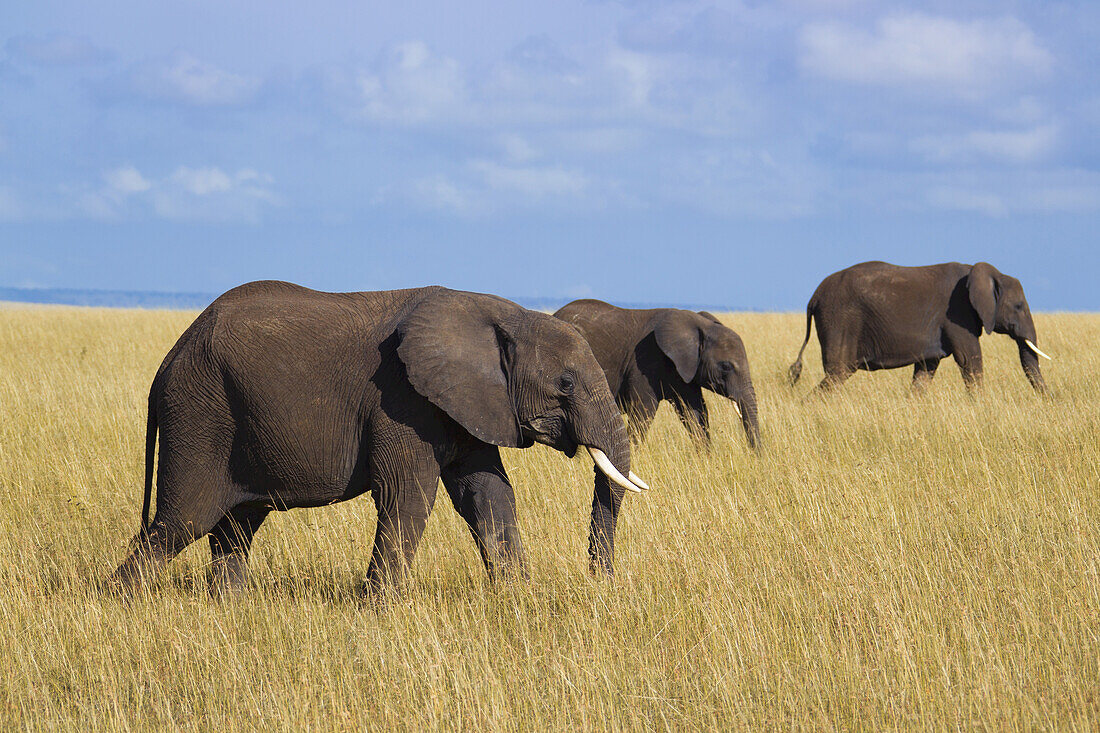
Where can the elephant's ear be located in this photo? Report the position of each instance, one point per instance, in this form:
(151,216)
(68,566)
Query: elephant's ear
(679,336)
(458,355)
(981,286)
(710,317)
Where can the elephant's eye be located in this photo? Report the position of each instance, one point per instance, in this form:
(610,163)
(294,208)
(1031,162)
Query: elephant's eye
(725,367)
(566,383)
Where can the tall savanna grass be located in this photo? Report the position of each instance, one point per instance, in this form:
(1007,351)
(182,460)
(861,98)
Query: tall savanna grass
(885,562)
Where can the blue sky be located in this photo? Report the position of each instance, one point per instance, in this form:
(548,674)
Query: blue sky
(729,153)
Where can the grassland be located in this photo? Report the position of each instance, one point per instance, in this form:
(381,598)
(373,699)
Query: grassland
(886,562)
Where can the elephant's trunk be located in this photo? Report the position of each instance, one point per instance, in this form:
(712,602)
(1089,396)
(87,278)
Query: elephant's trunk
(749,420)
(1029,360)
(607,434)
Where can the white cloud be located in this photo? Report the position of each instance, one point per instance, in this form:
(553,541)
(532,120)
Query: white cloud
(540,53)
(673,28)
(517,149)
(188,193)
(126,180)
(1020,146)
(110,200)
(437,192)
(600,140)
(410,84)
(183,79)
(1014,146)
(1044,192)
(211,194)
(482,187)
(535,85)
(924,49)
(202,181)
(530,181)
(639,73)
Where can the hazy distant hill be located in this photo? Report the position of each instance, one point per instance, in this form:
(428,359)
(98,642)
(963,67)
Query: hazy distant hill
(198,301)
(108,298)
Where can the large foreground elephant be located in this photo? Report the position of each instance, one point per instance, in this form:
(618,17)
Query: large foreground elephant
(279,397)
(667,354)
(881,316)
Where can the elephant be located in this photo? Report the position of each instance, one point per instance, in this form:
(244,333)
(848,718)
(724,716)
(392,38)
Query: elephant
(875,315)
(279,397)
(655,354)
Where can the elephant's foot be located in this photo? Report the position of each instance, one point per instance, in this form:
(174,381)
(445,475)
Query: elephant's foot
(601,569)
(229,578)
(919,387)
(141,568)
(503,570)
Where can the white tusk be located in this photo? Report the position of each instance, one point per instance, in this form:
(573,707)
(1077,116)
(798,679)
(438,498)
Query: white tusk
(637,481)
(736,407)
(604,464)
(1035,348)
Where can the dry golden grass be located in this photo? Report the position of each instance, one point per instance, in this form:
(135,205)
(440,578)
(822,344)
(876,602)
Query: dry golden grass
(887,562)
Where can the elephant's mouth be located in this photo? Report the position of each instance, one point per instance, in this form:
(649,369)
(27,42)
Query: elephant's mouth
(550,431)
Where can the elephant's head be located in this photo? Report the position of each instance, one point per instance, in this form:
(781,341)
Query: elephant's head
(712,356)
(511,377)
(999,301)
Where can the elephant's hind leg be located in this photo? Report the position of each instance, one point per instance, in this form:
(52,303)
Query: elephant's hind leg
(834,377)
(230,541)
(923,371)
(154,549)
(189,504)
(404,497)
(147,559)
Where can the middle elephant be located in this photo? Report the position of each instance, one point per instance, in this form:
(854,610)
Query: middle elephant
(654,354)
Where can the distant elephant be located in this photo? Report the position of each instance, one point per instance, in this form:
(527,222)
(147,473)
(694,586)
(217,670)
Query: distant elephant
(279,397)
(881,316)
(667,354)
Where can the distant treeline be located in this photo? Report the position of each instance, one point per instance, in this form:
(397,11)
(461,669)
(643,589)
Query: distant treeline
(198,301)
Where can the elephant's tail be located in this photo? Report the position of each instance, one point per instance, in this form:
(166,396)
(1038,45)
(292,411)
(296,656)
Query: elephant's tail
(150,455)
(795,370)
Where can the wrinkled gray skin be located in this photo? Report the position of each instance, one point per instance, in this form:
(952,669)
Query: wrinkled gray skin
(279,397)
(881,316)
(650,355)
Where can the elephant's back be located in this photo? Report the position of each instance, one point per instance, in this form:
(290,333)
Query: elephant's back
(882,282)
(584,311)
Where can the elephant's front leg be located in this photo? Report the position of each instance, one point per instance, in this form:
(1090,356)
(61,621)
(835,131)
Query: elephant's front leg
(966,350)
(692,409)
(482,494)
(639,401)
(970,364)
